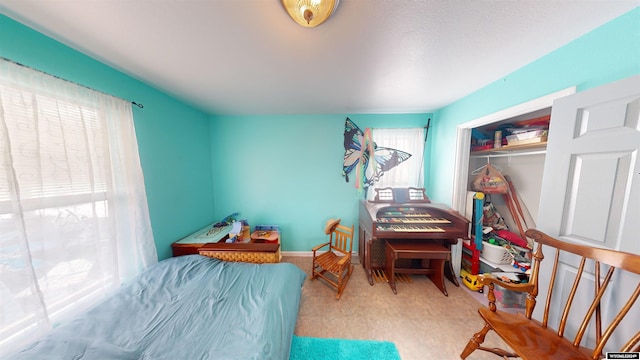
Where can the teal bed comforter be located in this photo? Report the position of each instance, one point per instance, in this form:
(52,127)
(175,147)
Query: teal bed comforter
(188,307)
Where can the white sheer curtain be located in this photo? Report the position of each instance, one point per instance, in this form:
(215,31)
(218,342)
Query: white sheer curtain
(74,222)
(410,172)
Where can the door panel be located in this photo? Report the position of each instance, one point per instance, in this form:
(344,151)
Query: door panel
(591,190)
(591,177)
(615,114)
(596,214)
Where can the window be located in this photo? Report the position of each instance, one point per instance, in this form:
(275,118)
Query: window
(74,221)
(409,173)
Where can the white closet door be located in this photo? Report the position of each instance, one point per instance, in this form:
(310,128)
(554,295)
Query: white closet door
(591,184)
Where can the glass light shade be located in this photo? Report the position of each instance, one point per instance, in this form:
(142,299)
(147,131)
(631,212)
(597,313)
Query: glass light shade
(310,13)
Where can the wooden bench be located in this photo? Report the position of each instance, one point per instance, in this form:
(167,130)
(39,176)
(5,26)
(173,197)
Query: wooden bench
(436,253)
(535,339)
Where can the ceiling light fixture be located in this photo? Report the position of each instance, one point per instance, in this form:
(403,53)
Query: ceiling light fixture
(310,13)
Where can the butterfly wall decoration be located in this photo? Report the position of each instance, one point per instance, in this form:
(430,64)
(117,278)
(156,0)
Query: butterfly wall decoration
(359,148)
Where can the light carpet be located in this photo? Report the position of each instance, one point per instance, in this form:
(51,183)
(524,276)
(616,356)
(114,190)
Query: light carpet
(310,348)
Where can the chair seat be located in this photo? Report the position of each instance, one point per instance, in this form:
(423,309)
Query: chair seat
(329,261)
(529,339)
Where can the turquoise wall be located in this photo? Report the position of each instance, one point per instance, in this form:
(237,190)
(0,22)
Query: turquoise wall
(287,170)
(610,52)
(173,137)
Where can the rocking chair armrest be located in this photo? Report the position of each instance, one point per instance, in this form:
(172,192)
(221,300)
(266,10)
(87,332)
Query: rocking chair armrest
(316,248)
(522,288)
(343,260)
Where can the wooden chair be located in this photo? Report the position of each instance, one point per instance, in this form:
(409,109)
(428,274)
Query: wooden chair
(532,339)
(334,265)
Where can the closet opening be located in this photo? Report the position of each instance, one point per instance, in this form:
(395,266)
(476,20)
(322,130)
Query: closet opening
(526,175)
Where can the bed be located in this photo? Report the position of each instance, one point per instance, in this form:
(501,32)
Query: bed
(187,307)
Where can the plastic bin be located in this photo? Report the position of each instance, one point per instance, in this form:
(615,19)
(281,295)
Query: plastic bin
(499,255)
(508,299)
(495,253)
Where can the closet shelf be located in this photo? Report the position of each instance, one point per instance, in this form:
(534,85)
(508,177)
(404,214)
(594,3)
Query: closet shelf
(512,150)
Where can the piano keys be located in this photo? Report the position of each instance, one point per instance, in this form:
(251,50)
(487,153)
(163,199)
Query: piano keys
(408,228)
(416,220)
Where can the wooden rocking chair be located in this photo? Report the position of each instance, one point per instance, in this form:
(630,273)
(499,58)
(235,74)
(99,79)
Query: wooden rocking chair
(532,339)
(334,265)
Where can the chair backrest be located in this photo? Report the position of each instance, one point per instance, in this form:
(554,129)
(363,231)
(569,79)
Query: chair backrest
(342,239)
(616,306)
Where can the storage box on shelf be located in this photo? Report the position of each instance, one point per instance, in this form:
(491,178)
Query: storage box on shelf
(524,136)
(518,135)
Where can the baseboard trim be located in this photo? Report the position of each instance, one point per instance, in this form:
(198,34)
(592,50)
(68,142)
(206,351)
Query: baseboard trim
(297,253)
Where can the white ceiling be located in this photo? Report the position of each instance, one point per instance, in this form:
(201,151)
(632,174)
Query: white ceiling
(372,56)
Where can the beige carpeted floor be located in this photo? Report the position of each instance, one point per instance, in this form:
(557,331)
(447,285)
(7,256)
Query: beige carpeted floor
(420,320)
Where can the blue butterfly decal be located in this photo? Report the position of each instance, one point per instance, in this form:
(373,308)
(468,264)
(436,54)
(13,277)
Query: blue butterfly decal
(357,152)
